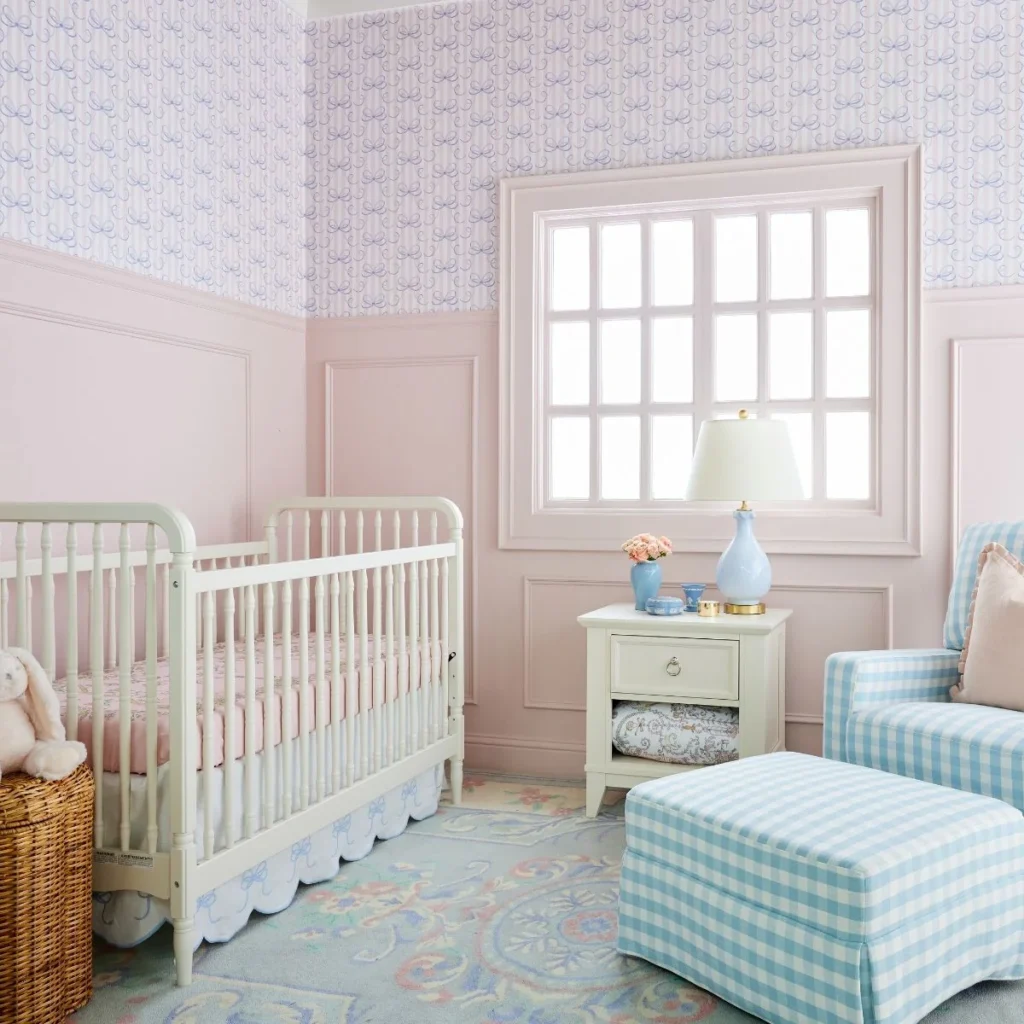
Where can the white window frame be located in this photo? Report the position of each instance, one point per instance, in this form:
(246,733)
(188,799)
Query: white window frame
(888,178)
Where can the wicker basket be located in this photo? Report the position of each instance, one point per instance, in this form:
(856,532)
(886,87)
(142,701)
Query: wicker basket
(45,897)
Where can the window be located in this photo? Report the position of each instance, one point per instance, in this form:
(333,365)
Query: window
(637,304)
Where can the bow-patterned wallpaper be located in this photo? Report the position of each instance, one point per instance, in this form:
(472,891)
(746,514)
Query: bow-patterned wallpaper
(159,135)
(173,136)
(414,115)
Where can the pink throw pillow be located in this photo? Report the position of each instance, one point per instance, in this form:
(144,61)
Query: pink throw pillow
(992,661)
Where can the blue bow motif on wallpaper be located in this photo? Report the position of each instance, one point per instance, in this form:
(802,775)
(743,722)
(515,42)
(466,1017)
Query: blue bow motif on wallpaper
(351,166)
(163,136)
(515,87)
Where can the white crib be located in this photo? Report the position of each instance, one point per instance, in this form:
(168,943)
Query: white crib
(344,628)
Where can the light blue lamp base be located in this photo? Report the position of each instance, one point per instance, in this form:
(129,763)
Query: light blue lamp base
(744,573)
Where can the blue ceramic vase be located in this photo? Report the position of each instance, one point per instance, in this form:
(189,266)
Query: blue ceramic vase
(646,580)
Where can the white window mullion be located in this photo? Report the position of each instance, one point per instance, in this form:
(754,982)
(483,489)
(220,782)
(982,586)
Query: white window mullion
(647,297)
(762,313)
(818,424)
(595,355)
(703,323)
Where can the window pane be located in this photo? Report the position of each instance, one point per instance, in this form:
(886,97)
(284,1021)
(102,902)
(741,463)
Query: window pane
(736,357)
(801,433)
(847,455)
(620,457)
(570,364)
(672,244)
(570,268)
(847,252)
(570,457)
(672,359)
(791,362)
(620,361)
(620,266)
(791,237)
(671,452)
(736,259)
(848,354)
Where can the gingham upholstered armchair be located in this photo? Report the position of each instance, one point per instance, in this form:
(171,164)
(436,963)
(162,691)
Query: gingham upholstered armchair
(891,709)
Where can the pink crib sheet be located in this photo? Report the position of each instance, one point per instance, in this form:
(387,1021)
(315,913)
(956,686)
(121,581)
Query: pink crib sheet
(137,732)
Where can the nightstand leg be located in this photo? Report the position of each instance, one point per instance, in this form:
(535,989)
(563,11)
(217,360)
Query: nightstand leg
(595,793)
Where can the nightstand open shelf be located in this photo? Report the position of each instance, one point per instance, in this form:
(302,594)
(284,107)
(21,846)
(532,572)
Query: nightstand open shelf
(727,661)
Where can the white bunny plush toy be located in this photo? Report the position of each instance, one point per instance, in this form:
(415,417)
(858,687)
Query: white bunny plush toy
(32,737)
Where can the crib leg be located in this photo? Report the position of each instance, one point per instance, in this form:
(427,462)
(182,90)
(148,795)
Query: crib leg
(456,781)
(183,933)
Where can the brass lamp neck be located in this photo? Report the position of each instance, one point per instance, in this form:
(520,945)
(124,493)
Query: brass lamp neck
(744,506)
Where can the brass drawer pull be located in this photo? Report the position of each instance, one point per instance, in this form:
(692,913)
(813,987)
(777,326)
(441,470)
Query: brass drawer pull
(673,668)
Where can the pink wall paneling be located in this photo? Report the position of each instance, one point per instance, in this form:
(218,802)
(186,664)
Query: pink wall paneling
(133,390)
(988,458)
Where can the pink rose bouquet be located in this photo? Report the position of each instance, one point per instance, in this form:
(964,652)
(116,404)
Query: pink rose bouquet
(645,547)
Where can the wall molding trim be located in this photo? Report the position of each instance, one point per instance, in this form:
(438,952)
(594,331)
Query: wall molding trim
(412,321)
(979,293)
(120,329)
(532,700)
(100,273)
(331,368)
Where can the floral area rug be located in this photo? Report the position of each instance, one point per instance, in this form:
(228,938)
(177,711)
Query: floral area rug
(502,911)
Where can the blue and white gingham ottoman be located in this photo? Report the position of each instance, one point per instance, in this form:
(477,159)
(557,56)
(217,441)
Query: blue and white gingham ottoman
(808,891)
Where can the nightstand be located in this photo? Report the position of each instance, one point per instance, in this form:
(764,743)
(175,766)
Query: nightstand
(734,661)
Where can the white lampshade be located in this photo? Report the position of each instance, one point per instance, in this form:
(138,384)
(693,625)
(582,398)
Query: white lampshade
(744,460)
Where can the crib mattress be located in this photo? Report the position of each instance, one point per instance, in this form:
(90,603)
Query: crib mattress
(676,733)
(137,733)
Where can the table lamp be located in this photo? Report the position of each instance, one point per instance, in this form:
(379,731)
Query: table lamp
(744,460)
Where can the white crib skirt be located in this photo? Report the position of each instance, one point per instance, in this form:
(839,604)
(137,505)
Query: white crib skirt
(126,918)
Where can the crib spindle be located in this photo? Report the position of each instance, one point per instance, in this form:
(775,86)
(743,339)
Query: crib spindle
(71,656)
(209,633)
(305,534)
(152,830)
(249,796)
(414,643)
(336,773)
(304,692)
(125,660)
(165,606)
(434,636)
(269,709)
(49,658)
(424,656)
(4,612)
(112,619)
(445,646)
(377,671)
(350,680)
(403,668)
(96,650)
(286,692)
(321,701)
(22,597)
(229,717)
(325,534)
(389,686)
(364,679)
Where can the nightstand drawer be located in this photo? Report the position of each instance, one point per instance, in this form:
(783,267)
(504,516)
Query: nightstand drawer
(691,667)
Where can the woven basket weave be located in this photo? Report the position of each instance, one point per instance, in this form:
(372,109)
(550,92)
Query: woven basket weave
(45,897)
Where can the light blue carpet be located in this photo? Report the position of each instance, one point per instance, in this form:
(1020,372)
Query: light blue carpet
(502,912)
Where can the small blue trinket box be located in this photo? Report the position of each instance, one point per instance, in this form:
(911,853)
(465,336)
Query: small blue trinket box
(664,606)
